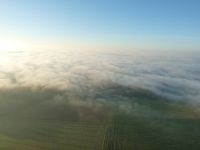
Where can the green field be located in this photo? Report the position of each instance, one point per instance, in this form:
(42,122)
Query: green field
(124,132)
(50,136)
(130,120)
(136,133)
(38,120)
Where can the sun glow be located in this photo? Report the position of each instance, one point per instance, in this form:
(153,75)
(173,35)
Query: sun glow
(7,47)
(14,44)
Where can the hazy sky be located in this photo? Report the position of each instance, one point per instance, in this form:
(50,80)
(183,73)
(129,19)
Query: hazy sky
(100,24)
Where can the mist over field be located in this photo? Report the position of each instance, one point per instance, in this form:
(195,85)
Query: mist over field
(52,99)
(94,79)
(175,77)
(99,75)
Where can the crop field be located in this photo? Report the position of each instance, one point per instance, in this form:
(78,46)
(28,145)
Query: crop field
(153,123)
(40,121)
(124,132)
(34,120)
(50,136)
(144,133)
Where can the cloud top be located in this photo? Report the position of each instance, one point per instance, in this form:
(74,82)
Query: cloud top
(171,76)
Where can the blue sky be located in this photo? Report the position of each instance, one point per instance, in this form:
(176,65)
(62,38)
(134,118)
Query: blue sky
(101,24)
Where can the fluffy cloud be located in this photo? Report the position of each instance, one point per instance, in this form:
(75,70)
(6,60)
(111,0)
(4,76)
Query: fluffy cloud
(172,76)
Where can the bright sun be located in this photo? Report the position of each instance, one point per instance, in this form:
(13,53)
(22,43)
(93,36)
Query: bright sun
(6,47)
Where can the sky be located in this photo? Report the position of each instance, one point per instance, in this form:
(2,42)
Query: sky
(100,24)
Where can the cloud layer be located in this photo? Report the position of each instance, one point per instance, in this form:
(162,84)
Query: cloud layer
(171,76)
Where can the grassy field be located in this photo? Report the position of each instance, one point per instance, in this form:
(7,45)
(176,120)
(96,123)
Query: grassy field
(43,120)
(124,132)
(50,136)
(51,120)
(133,133)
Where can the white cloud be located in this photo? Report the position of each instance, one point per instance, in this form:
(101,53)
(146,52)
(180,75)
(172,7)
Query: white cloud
(176,77)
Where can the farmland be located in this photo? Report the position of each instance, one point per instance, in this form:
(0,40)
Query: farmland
(127,120)
(124,132)
(128,133)
(40,121)
(50,136)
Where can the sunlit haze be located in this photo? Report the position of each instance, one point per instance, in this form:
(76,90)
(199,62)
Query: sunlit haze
(99,75)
